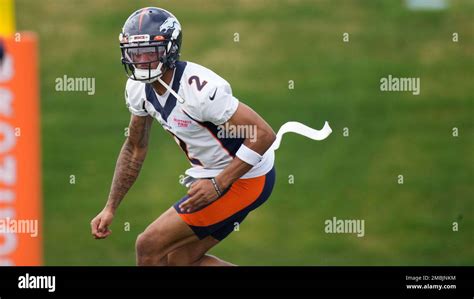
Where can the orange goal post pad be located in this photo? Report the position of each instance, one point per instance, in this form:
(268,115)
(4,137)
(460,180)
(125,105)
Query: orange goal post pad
(20,173)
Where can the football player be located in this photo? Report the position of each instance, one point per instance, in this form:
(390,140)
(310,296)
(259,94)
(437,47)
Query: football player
(228,178)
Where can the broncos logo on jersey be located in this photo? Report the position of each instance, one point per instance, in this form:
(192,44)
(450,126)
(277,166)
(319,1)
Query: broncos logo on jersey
(171,24)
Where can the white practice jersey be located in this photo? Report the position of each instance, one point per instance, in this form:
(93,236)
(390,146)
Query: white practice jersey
(208,103)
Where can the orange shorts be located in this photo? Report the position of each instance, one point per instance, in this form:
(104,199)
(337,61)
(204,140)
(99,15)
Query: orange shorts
(219,218)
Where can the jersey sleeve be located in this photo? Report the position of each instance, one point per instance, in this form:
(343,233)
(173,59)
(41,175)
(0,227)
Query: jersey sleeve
(214,103)
(222,106)
(134,98)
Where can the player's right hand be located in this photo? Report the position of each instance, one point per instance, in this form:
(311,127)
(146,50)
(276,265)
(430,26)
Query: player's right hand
(100,224)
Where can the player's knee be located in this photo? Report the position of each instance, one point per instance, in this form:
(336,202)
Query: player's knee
(148,245)
(147,253)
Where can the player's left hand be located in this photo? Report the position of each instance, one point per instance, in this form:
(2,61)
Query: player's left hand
(200,193)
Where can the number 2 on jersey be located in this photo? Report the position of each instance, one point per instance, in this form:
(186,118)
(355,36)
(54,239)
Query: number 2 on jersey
(196,79)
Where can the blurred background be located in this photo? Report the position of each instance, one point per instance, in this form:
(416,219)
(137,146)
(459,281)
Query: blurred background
(348,177)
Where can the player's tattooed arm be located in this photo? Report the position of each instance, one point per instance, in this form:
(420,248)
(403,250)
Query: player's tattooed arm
(130,159)
(128,167)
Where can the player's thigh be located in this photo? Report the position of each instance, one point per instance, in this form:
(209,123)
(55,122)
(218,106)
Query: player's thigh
(165,234)
(191,252)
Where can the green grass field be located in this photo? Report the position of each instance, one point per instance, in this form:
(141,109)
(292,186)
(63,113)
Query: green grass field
(353,177)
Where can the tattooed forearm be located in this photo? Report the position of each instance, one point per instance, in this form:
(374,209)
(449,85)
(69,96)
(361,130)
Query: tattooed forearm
(126,172)
(130,160)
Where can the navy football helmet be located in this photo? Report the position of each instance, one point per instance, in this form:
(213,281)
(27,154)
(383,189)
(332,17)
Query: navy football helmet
(150,42)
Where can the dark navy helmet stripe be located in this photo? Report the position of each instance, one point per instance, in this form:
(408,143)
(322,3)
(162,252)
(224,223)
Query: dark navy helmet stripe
(171,100)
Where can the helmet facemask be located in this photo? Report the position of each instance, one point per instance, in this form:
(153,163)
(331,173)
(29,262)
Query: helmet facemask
(146,62)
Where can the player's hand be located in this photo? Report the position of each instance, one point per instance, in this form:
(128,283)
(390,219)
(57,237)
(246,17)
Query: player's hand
(100,224)
(200,193)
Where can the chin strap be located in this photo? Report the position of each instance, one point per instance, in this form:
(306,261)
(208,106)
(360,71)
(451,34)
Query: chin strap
(180,99)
